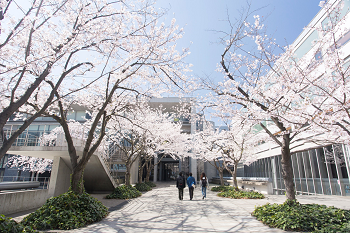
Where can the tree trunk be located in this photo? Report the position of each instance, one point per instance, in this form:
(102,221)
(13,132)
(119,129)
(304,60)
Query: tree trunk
(221,173)
(148,171)
(127,174)
(147,176)
(234,175)
(287,171)
(77,182)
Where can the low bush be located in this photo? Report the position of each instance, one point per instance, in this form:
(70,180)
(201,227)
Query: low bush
(67,211)
(124,192)
(240,194)
(150,184)
(9,225)
(142,187)
(293,216)
(221,188)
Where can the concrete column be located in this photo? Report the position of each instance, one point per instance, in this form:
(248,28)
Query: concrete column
(155,169)
(194,168)
(180,165)
(60,177)
(339,173)
(193,162)
(134,172)
(274,174)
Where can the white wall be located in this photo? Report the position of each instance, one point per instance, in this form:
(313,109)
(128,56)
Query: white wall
(13,202)
(60,177)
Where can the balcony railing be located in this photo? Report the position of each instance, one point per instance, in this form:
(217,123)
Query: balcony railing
(44,181)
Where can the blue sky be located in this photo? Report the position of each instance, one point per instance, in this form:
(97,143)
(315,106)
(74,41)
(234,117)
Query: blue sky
(200,19)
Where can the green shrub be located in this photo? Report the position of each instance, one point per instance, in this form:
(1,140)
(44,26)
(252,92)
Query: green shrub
(240,194)
(142,187)
(221,188)
(124,192)
(67,211)
(293,216)
(150,184)
(9,225)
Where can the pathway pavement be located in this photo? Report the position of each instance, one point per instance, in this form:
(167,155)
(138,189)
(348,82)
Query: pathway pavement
(160,210)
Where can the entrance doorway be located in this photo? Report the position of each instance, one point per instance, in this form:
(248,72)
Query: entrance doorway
(170,171)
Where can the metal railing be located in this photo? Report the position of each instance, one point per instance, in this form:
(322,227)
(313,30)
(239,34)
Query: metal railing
(44,181)
(35,138)
(26,138)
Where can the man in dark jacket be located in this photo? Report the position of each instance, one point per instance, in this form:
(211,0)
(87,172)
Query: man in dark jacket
(181,184)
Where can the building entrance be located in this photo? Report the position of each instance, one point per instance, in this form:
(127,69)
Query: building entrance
(170,171)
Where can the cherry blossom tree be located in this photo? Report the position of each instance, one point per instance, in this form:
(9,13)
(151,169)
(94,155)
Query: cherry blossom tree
(39,50)
(240,91)
(26,163)
(65,46)
(238,145)
(287,93)
(165,139)
(320,79)
(205,147)
(135,56)
(226,148)
(141,133)
(272,90)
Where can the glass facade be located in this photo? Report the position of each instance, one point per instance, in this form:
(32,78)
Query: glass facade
(31,136)
(324,170)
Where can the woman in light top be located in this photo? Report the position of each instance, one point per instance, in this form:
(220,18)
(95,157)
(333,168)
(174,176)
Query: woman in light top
(204,184)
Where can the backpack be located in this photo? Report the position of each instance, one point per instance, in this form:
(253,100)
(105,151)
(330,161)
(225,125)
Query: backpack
(204,182)
(180,182)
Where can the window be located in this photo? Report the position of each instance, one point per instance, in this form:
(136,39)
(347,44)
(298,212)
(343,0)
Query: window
(33,128)
(80,115)
(342,41)
(87,116)
(118,166)
(318,55)
(306,45)
(71,115)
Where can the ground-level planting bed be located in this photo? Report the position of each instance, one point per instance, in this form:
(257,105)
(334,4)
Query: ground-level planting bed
(143,187)
(9,225)
(231,192)
(293,216)
(124,192)
(150,184)
(67,211)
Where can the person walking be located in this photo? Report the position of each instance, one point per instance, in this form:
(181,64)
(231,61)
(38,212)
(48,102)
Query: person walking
(204,183)
(181,184)
(191,183)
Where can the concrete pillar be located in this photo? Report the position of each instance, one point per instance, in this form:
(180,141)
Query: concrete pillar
(194,168)
(193,162)
(274,173)
(60,177)
(180,165)
(134,172)
(155,169)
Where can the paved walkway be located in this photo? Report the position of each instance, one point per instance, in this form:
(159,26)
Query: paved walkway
(160,210)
